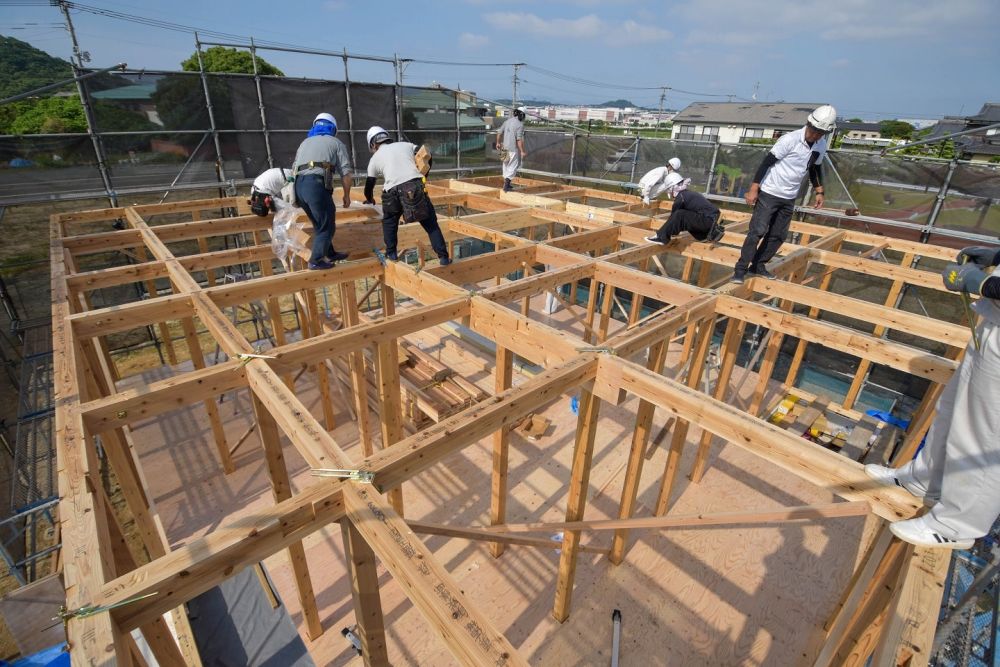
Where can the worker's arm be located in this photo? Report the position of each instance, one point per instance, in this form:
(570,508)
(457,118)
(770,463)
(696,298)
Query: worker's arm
(370,190)
(347,181)
(816,178)
(769,161)
(520,147)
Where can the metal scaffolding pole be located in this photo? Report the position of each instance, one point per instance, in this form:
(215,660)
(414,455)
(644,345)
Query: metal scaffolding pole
(572,155)
(211,113)
(260,102)
(398,66)
(711,167)
(88,111)
(458,134)
(350,111)
(939,200)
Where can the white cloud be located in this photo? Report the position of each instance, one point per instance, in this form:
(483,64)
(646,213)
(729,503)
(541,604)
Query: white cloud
(624,33)
(472,41)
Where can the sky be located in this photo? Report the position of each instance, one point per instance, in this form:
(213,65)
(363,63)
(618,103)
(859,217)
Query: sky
(871,59)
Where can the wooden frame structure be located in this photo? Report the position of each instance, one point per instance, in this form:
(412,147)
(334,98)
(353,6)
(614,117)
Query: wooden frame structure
(549,242)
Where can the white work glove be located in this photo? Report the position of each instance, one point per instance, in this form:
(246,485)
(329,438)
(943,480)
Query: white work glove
(645,200)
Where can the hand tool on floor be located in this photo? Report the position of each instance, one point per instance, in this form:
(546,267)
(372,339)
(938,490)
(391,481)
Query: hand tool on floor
(349,634)
(616,636)
(365,476)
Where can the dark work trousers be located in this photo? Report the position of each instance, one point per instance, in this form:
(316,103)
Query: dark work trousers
(317,202)
(683,220)
(392,211)
(768,230)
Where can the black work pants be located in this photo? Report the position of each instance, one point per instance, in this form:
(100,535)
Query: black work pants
(768,230)
(683,220)
(418,208)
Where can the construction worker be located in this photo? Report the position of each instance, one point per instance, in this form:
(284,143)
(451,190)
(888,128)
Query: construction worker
(691,213)
(266,188)
(652,183)
(318,157)
(403,193)
(510,143)
(957,470)
(775,187)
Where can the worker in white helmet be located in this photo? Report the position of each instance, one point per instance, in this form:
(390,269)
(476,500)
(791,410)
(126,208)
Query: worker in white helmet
(510,141)
(403,193)
(957,471)
(775,187)
(266,188)
(653,182)
(319,156)
(691,212)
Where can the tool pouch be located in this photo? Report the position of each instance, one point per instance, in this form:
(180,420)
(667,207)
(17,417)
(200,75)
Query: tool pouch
(328,177)
(415,202)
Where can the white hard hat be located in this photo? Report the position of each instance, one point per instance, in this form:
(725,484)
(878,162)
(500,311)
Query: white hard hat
(673,178)
(328,118)
(675,163)
(377,135)
(522,110)
(824,118)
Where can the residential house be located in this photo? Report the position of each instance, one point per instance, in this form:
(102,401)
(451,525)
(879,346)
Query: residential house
(740,122)
(861,135)
(977,147)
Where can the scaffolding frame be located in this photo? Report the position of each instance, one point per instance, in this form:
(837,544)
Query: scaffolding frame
(556,236)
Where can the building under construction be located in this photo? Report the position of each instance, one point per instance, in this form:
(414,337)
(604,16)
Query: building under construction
(478,463)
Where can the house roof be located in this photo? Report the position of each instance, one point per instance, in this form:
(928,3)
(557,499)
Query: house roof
(137,91)
(772,114)
(990,113)
(432,120)
(860,127)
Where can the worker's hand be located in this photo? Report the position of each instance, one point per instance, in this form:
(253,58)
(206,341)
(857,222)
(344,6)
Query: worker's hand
(524,154)
(645,200)
(818,201)
(751,195)
(964,278)
(347,201)
(978,255)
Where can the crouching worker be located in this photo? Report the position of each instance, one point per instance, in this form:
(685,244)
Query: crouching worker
(266,188)
(653,182)
(691,213)
(403,193)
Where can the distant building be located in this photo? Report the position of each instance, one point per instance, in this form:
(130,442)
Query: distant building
(861,135)
(977,147)
(740,122)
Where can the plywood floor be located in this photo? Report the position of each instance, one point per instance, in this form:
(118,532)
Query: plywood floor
(714,596)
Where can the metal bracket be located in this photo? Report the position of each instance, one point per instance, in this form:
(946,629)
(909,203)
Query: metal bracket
(364,476)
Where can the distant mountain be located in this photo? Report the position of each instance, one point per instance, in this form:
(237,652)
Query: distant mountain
(618,104)
(26,68)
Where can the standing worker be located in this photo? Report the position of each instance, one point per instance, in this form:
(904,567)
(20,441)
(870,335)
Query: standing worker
(318,157)
(510,141)
(266,188)
(958,468)
(775,187)
(691,213)
(403,192)
(653,182)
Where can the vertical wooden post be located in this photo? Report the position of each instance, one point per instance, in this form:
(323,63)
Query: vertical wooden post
(609,294)
(591,308)
(218,432)
(526,302)
(388,392)
(273,306)
(583,453)
(270,440)
(730,349)
(359,383)
(862,372)
(637,299)
(800,349)
(637,453)
(705,330)
(504,375)
(770,358)
(364,589)
(315,328)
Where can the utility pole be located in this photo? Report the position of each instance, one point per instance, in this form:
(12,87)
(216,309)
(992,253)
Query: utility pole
(756,86)
(659,115)
(79,58)
(513,99)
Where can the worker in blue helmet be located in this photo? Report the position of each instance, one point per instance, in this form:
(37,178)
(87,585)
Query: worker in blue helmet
(319,156)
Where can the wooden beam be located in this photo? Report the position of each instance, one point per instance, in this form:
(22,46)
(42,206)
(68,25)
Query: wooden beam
(391,411)
(808,460)
(359,379)
(104,321)
(503,376)
(363,575)
(480,535)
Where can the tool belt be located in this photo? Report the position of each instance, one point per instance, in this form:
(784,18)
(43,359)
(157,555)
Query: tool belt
(261,203)
(409,200)
(504,155)
(327,168)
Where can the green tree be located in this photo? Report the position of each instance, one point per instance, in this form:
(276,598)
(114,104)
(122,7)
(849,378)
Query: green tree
(230,61)
(854,120)
(896,129)
(49,115)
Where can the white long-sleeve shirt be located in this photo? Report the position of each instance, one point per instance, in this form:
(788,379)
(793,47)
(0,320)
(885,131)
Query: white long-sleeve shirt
(653,182)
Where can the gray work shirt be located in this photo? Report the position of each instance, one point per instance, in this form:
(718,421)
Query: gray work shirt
(322,148)
(395,162)
(511,130)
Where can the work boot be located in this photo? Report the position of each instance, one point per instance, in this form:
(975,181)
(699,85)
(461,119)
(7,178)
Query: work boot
(656,239)
(337,256)
(445,261)
(918,532)
(739,275)
(321,265)
(506,185)
(762,272)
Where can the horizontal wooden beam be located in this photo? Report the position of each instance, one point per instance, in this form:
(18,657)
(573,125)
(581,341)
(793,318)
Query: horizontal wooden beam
(483,267)
(634,340)
(138,314)
(901,357)
(231,294)
(538,283)
(639,282)
(808,460)
(871,267)
(536,342)
(481,535)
